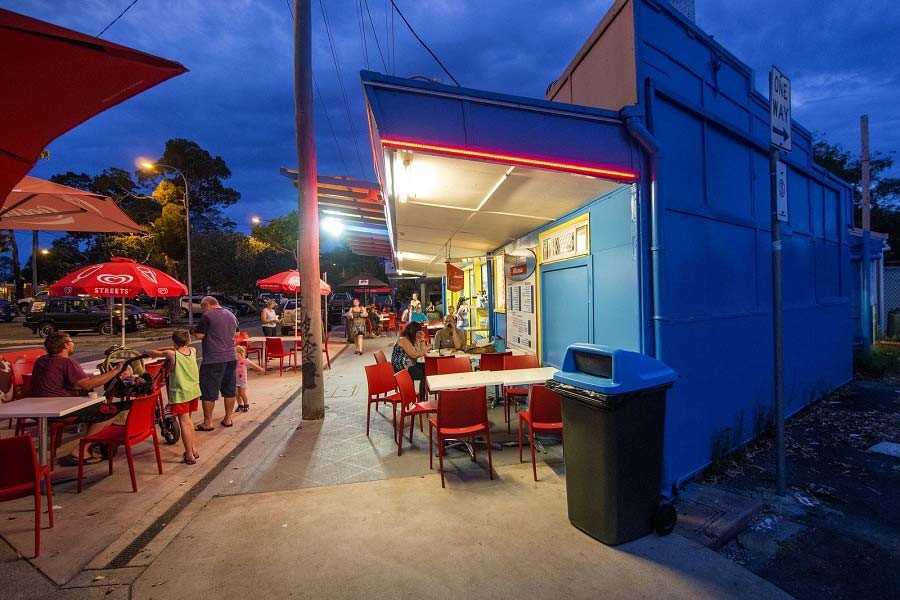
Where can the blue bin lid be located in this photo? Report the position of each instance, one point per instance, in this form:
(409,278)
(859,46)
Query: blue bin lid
(612,370)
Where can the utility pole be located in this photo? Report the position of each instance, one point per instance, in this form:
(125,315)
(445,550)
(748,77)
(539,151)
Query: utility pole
(34,255)
(865,264)
(313,390)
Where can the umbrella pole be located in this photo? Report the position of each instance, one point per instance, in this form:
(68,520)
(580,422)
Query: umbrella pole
(296,311)
(123,320)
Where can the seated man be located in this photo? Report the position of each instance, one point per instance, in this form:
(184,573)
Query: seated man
(56,375)
(448,338)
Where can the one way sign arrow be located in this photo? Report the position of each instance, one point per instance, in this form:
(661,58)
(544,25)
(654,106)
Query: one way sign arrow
(779,109)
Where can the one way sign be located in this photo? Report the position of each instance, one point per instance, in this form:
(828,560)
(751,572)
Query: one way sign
(779,109)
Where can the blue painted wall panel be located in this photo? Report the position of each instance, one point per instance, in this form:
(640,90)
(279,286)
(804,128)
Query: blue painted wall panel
(730,183)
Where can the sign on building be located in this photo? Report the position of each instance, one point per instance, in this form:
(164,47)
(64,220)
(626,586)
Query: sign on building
(781,197)
(779,109)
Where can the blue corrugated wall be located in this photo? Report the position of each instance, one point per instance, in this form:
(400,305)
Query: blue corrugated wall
(715,309)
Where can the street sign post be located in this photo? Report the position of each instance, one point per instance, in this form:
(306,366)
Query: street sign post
(779,137)
(779,110)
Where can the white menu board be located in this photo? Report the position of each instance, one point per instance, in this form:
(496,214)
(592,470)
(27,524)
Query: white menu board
(521,319)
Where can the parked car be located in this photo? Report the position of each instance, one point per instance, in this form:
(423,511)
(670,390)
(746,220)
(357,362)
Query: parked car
(266,296)
(76,314)
(153,320)
(8,311)
(25,303)
(194,304)
(243,307)
(338,304)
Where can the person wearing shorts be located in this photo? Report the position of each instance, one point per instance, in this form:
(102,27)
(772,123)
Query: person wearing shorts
(184,388)
(217,371)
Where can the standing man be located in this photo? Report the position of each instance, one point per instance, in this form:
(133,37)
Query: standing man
(216,330)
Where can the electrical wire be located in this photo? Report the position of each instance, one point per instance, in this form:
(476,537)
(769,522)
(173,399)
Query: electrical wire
(324,108)
(362,31)
(117,18)
(375,35)
(424,45)
(337,68)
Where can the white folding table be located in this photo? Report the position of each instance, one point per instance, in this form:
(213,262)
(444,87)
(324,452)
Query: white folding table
(43,409)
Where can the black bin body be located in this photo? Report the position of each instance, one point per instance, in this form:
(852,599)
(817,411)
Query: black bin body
(613,453)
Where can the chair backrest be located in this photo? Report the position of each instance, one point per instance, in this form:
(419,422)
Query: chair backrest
(20,368)
(454,364)
(140,415)
(462,408)
(527,361)
(380,379)
(274,345)
(545,405)
(407,388)
(493,361)
(28,356)
(20,463)
(25,389)
(391,322)
(380,357)
(431,363)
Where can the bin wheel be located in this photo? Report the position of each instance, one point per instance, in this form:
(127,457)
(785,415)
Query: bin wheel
(664,519)
(171,431)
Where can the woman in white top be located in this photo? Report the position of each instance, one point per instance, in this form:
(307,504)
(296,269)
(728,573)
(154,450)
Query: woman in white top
(269,319)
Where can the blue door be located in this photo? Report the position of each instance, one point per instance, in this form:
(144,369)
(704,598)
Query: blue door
(566,308)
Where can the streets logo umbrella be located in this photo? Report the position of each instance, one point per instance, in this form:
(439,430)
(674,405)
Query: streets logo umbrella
(119,278)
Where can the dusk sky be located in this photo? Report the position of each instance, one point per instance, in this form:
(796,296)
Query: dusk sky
(237,99)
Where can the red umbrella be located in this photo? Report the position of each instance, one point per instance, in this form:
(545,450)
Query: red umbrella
(289,281)
(42,205)
(59,79)
(119,278)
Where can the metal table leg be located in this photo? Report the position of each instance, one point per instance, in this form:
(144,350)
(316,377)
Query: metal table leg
(42,440)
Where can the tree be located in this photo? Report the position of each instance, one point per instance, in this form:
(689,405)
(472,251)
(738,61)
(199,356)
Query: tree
(884,191)
(204,174)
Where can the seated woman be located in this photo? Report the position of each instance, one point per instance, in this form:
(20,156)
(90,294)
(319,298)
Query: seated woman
(449,337)
(408,349)
(374,319)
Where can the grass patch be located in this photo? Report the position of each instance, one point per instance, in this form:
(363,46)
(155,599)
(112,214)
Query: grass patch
(880,361)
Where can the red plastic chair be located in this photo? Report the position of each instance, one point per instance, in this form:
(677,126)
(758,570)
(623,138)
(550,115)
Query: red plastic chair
(55,429)
(460,414)
(275,349)
(325,348)
(544,414)
(454,364)
(21,477)
(390,325)
(382,388)
(512,395)
(379,357)
(493,361)
(139,425)
(409,406)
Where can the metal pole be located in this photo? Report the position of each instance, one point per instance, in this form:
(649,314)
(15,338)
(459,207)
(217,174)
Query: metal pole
(187,221)
(313,392)
(777,325)
(34,255)
(865,264)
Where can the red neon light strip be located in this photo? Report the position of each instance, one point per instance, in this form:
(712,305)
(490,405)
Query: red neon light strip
(518,160)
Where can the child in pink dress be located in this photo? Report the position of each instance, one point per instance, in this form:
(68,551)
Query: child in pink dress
(241,376)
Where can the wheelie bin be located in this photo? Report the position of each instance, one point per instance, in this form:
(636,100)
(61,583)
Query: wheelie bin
(614,412)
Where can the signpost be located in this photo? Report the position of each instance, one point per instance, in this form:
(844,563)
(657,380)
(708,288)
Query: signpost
(779,138)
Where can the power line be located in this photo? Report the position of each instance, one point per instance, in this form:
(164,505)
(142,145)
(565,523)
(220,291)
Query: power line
(117,18)
(362,30)
(337,68)
(375,35)
(424,45)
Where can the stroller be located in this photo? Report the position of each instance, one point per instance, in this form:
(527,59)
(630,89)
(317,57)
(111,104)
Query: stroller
(144,380)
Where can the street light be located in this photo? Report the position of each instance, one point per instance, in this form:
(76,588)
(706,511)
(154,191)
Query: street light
(45,252)
(255,220)
(149,166)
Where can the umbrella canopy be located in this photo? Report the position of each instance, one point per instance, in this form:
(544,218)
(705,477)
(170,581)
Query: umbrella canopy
(119,278)
(38,204)
(59,79)
(288,281)
(365,282)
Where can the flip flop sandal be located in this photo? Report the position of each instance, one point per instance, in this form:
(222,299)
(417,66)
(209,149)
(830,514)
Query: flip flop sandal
(185,460)
(200,427)
(228,425)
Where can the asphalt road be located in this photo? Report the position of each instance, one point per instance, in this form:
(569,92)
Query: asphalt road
(91,346)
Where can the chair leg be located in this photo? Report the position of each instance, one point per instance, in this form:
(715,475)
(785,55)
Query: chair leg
(520,438)
(531,444)
(81,463)
(131,467)
(487,432)
(109,456)
(430,445)
(398,433)
(49,498)
(37,522)
(412,424)
(441,458)
(156,447)
(368,416)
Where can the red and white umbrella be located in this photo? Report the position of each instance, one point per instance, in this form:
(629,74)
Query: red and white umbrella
(119,278)
(289,282)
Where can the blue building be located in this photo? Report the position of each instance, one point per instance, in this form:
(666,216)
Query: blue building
(630,208)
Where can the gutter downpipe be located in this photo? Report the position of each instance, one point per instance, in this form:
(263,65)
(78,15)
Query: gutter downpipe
(636,128)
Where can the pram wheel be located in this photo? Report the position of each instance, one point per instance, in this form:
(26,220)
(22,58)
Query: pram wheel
(170,430)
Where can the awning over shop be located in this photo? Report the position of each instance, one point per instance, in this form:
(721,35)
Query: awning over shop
(359,206)
(468,171)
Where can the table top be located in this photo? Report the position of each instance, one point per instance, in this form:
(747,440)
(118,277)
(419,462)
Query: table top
(473,356)
(46,407)
(286,338)
(512,377)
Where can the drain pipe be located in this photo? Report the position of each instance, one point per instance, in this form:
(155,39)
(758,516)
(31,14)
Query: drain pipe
(636,128)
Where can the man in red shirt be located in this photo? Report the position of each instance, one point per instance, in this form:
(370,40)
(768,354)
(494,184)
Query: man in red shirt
(57,374)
